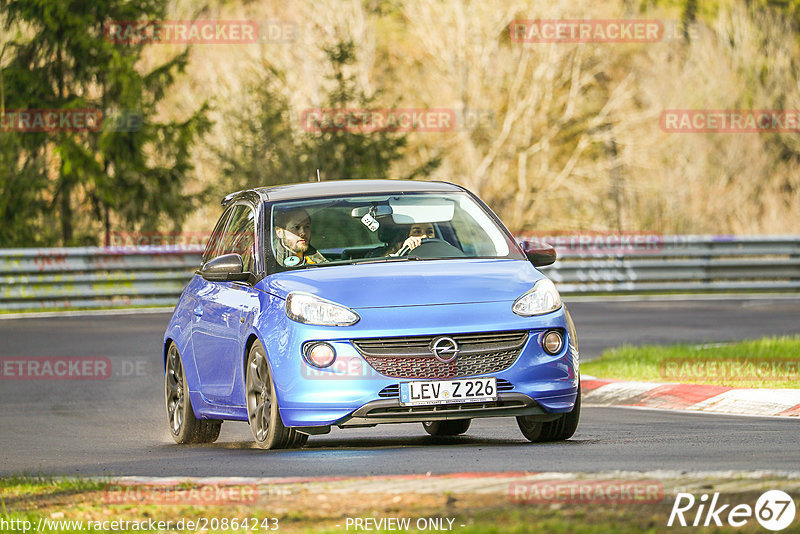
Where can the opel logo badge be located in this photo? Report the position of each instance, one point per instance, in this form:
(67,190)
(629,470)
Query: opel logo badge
(445,349)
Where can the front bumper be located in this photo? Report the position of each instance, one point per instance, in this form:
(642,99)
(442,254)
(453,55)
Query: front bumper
(390,411)
(356,395)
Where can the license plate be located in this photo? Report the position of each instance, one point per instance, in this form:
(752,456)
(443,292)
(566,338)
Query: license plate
(448,391)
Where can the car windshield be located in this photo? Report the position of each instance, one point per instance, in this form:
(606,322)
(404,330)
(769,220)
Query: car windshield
(385,228)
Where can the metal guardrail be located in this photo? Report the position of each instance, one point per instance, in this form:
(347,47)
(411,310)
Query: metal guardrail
(676,264)
(93,277)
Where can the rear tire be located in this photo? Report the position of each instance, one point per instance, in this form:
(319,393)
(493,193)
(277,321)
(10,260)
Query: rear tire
(558,430)
(184,426)
(446,428)
(262,405)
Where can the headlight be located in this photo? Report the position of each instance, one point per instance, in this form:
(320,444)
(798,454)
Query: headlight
(308,309)
(543,298)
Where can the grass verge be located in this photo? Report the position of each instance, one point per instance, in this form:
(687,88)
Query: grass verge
(55,505)
(763,363)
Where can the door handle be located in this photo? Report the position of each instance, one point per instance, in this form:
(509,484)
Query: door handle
(198,311)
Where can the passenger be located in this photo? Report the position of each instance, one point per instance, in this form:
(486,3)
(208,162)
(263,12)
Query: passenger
(293,233)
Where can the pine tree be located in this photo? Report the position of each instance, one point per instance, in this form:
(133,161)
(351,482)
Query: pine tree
(267,151)
(130,173)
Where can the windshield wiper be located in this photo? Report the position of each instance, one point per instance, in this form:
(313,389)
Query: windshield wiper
(387,259)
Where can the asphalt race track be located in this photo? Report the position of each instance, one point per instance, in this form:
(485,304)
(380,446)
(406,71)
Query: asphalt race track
(117,426)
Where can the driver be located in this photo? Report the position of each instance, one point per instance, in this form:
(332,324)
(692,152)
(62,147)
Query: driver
(293,244)
(416,234)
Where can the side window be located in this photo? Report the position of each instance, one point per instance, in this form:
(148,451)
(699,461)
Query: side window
(212,247)
(240,235)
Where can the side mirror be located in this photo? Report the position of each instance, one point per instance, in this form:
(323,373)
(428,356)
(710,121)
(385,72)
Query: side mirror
(538,253)
(225,268)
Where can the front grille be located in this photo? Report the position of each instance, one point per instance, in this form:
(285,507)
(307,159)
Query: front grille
(411,356)
(393,391)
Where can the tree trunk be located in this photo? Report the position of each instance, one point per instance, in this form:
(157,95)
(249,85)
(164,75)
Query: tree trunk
(66,212)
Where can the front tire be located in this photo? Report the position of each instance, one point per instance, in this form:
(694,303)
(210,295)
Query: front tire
(446,428)
(262,405)
(184,426)
(558,430)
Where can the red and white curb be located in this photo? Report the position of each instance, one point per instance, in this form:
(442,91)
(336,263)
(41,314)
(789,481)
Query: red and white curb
(691,397)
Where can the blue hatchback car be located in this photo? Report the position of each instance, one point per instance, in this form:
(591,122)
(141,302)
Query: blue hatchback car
(360,302)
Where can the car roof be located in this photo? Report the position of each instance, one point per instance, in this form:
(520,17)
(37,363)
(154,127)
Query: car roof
(343,187)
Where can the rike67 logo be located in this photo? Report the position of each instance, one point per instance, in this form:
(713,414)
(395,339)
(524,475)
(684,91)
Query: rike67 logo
(774,510)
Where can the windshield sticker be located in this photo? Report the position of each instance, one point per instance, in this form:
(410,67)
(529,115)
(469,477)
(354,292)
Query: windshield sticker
(370,222)
(291,261)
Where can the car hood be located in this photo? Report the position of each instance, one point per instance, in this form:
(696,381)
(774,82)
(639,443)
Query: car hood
(412,283)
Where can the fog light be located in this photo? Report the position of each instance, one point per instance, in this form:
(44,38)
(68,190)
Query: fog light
(320,354)
(553,342)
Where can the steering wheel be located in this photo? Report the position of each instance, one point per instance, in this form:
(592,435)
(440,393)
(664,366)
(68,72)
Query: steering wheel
(404,250)
(432,247)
